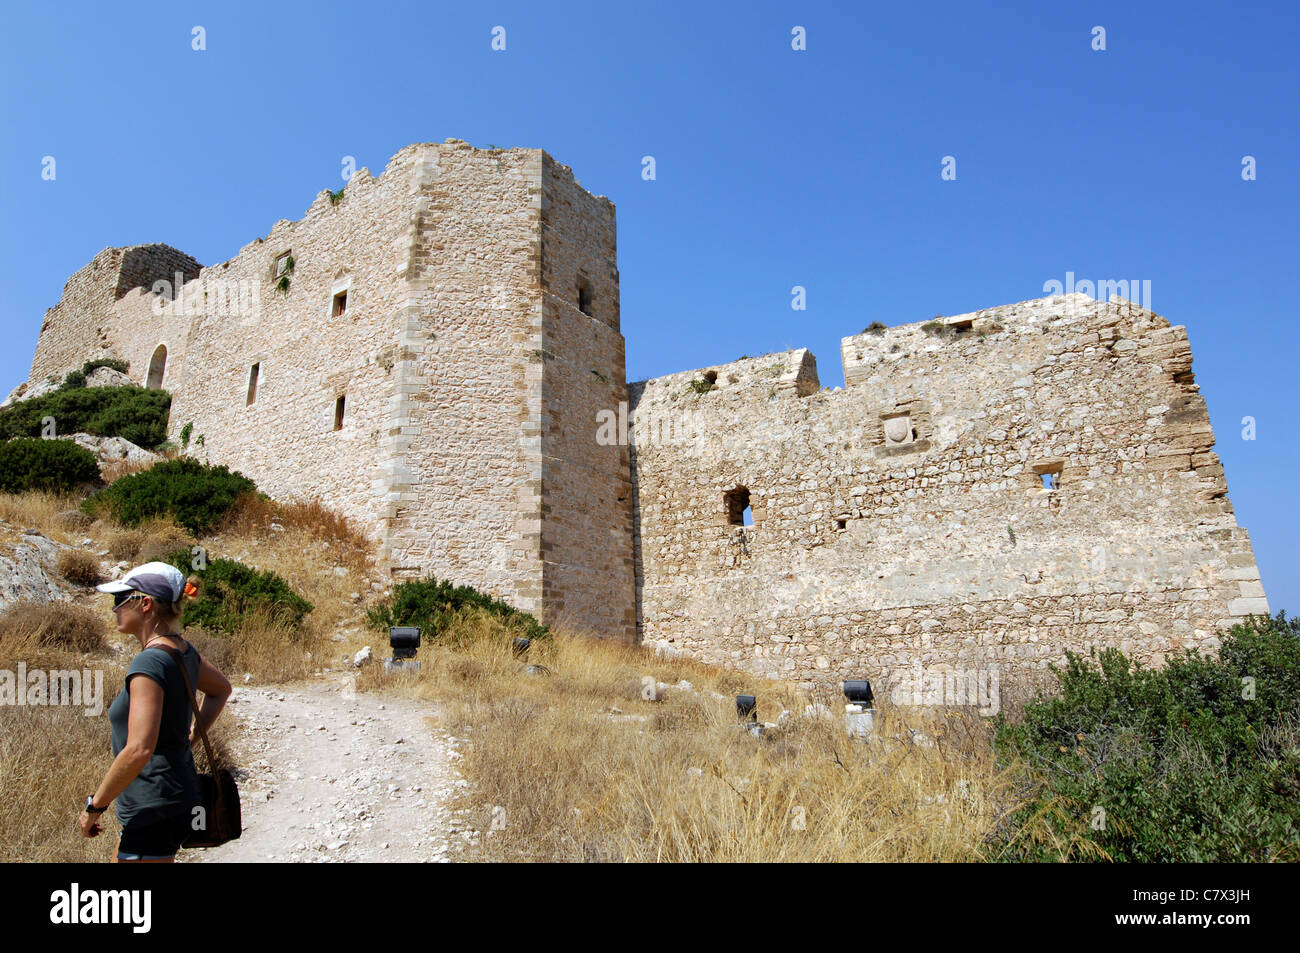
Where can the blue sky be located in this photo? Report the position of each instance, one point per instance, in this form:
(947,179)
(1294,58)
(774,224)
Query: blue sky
(775,167)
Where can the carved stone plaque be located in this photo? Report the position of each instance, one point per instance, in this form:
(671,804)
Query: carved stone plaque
(898,430)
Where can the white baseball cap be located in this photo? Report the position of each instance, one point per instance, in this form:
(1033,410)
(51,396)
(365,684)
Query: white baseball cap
(160,580)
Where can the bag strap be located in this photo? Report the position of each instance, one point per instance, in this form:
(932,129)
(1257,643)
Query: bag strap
(198,720)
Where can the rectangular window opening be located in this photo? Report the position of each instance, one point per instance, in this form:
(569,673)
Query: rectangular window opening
(340,304)
(252,383)
(282,264)
(585,297)
(736,507)
(338,412)
(1049,474)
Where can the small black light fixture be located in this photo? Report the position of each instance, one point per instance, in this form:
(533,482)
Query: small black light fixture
(747,707)
(405,642)
(858,692)
(520,646)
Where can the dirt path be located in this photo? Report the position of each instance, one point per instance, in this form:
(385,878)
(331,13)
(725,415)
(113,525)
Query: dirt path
(329,774)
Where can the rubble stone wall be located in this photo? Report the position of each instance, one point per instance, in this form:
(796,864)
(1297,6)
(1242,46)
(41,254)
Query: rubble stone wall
(903,523)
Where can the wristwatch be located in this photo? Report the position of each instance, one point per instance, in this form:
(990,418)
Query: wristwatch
(90,806)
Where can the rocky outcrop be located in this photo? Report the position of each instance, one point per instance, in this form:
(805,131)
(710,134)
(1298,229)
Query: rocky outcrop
(24,391)
(107,377)
(112,449)
(26,572)
(99,377)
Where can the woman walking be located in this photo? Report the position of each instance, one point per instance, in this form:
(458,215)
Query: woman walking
(152,776)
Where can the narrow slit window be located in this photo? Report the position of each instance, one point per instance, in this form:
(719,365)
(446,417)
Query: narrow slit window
(252,383)
(339,304)
(338,412)
(585,296)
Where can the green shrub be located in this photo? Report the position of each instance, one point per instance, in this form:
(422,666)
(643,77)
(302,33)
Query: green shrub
(54,465)
(198,495)
(229,591)
(432,605)
(130,412)
(1198,761)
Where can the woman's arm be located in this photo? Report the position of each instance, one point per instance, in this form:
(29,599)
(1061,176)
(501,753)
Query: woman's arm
(216,689)
(142,726)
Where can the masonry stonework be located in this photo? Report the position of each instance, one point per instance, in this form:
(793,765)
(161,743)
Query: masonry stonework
(988,489)
(431,352)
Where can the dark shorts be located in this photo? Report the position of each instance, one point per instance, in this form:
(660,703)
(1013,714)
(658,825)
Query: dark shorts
(153,839)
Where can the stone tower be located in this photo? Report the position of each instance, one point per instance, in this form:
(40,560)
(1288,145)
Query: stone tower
(425,352)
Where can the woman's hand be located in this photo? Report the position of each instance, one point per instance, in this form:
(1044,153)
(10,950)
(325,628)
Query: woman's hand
(89,826)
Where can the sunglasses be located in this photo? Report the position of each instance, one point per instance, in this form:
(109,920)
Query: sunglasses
(122,598)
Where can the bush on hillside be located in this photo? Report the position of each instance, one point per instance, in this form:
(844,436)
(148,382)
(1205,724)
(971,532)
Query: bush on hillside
(432,605)
(1198,761)
(229,592)
(133,413)
(78,567)
(196,494)
(54,465)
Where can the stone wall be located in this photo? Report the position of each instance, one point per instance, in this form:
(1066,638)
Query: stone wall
(467,510)
(903,521)
(79,327)
(281,431)
(586,506)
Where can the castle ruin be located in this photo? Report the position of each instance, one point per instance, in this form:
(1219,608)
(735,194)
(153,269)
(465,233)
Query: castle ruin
(436,353)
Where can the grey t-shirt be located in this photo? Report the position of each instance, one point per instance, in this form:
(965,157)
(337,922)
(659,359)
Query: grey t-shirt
(169,784)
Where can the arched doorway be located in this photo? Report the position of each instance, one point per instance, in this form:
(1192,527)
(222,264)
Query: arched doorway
(157,365)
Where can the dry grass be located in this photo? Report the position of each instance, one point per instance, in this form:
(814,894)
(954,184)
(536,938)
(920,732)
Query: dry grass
(252,517)
(60,624)
(151,540)
(50,759)
(578,766)
(78,567)
(113,470)
(269,651)
(38,510)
